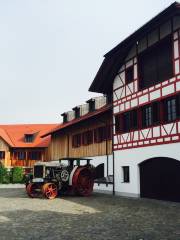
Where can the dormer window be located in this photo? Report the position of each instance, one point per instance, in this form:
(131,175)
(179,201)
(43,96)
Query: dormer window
(77,112)
(64,115)
(28,138)
(91,103)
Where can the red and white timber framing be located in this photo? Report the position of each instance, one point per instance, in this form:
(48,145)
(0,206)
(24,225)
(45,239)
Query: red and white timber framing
(127,97)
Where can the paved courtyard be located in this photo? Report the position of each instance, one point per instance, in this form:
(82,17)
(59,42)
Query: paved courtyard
(97,217)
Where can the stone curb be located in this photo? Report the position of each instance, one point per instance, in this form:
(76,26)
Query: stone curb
(12,185)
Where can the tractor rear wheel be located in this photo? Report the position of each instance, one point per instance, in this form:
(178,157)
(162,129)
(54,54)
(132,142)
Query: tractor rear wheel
(83,181)
(50,190)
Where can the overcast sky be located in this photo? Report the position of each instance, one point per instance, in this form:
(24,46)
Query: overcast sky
(50,51)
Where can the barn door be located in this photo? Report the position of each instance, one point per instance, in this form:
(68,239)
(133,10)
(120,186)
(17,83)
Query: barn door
(160,179)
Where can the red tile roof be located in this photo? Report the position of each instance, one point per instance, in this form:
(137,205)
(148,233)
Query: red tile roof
(77,120)
(13,135)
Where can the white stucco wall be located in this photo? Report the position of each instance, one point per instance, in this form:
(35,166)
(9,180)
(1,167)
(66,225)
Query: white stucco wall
(132,158)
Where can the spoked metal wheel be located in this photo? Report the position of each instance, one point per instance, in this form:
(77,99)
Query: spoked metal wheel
(50,190)
(33,190)
(83,181)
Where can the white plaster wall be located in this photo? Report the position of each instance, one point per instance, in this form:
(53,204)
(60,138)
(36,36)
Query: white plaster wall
(133,157)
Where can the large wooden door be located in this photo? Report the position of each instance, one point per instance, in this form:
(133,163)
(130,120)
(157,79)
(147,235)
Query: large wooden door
(160,179)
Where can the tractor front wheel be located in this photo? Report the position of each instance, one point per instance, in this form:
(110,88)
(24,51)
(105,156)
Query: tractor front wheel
(50,190)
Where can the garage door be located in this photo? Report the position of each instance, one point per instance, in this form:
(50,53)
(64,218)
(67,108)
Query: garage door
(160,179)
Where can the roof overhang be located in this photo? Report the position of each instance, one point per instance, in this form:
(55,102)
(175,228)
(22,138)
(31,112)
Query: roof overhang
(113,60)
(81,119)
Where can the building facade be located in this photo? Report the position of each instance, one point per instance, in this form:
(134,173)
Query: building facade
(86,132)
(22,145)
(143,75)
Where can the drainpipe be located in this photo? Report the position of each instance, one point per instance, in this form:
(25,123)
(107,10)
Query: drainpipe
(107,155)
(112,148)
(112,129)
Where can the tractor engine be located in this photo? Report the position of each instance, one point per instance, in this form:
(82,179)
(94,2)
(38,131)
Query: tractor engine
(51,179)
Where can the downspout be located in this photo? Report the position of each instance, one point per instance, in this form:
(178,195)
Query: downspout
(112,129)
(107,155)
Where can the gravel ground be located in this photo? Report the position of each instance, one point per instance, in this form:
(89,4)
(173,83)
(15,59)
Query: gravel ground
(98,217)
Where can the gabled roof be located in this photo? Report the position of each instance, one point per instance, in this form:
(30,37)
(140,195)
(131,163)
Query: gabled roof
(80,119)
(114,59)
(13,135)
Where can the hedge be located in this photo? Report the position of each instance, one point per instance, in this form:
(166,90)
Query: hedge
(5,176)
(15,175)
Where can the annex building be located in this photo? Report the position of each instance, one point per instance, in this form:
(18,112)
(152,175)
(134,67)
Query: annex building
(86,132)
(22,145)
(143,75)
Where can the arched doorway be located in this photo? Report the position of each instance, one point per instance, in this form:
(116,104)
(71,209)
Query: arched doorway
(160,179)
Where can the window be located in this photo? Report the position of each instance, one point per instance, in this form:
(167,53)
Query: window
(125,170)
(34,155)
(18,155)
(21,155)
(127,121)
(129,74)
(100,134)
(2,155)
(150,115)
(103,133)
(87,138)
(155,64)
(172,109)
(76,140)
(147,116)
(29,138)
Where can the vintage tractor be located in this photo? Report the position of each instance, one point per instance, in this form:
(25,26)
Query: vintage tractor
(49,179)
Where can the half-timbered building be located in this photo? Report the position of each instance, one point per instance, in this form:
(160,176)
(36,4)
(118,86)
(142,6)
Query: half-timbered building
(86,132)
(143,75)
(22,145)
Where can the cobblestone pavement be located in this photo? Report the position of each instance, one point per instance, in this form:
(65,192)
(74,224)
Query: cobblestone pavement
(98,217)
